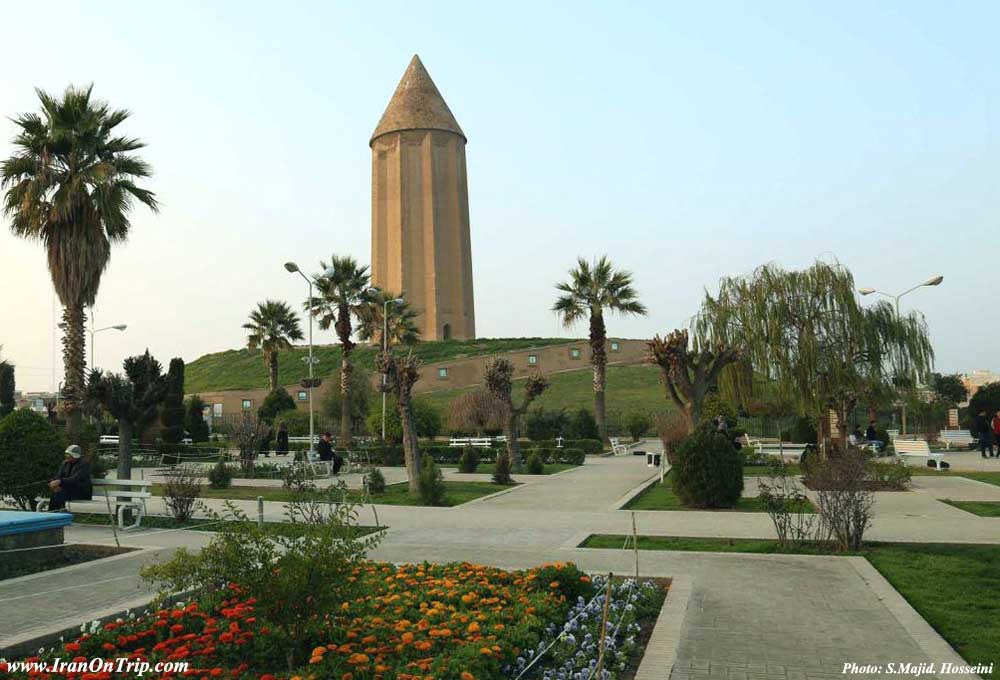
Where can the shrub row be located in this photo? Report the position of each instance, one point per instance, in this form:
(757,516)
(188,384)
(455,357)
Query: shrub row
(392,455)
(586,445)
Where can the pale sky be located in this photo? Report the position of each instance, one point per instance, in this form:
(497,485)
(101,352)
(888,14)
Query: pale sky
(688,141)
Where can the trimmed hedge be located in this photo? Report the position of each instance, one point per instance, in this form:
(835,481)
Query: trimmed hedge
(452,455)
(588,446)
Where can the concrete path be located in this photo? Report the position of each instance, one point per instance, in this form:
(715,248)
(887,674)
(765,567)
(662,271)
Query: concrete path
(749,616)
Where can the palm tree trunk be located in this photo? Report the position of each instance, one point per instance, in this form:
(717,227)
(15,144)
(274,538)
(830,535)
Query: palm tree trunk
(511,431)
(599,360)
(345,403)
(75,365)
(411,448)
(271,362)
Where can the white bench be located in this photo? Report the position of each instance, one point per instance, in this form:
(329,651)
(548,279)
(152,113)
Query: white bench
(920,449)
(617,448)
(957,437)
(479,442)
(125,494)
(893,434)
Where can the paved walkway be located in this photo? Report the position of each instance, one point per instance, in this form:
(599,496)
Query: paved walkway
(749,616)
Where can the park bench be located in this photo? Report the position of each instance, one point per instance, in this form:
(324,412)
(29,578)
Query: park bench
(776,448)
(617,448)
(124,494)
(920,449)
(893,435)
(479,442)
(961,438)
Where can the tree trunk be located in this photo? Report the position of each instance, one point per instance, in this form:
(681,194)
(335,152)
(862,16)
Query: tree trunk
(823,435)
(345,403)
(271,361)
(411,448)
(510,431)
(599,360)
(125,430)
(75,365)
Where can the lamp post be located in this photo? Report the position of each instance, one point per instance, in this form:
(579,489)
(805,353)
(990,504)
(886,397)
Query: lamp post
(933,281)
(293,268)
(385,347)
(93,332)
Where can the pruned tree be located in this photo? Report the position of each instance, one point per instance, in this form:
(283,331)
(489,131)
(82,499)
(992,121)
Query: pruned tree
(245,430)
(400,375)
(133,399)
(499,383)
(476,411)
(689,373)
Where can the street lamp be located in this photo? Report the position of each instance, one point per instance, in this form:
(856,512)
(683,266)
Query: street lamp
(933,281)
(93,332)
(385,345)
(293,268)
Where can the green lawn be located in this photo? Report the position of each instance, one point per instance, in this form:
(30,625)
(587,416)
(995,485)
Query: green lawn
(981,508)
(661,497)
(160,522)
(956,588)
(487,468)
(239,369)
(456,493)
(761,470)
(630,389)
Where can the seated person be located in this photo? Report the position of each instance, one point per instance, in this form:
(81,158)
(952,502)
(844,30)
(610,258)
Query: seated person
(325,447)
(872,437)
(338,462)
(856,438)
(73,482)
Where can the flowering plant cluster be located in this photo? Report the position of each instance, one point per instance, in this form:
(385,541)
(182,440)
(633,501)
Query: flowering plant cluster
(411,622)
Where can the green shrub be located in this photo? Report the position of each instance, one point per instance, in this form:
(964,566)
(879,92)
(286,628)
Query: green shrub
(802,431)
(220,476)
(194,420)
(890,476)
(172,413)
(535,464)
(31,451)
(709,470)
(276,402)
(573,583)
(469,460)
(431,483)
(542,424)
(715,406)
(181,489)
(426,419)
(583,426)
(637,425)
(501,469)
(376,481)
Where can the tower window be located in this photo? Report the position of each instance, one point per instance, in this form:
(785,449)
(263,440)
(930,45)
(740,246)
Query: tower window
(446,332)
(574,353)
(614,346)
(247,404)
(443,373)
(303,395)
(532,359)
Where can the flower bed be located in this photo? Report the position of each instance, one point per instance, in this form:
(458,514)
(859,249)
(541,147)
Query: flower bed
(411,622)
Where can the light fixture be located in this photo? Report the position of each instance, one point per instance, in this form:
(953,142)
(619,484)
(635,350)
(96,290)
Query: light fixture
(291,267)
(936,281)
(866,291)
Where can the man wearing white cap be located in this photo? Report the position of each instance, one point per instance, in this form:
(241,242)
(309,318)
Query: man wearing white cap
(73,483)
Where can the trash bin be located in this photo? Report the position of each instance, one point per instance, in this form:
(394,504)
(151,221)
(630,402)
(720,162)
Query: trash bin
(653,460)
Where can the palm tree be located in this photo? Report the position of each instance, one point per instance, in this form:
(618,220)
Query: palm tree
(402,319)
(343,294)
(273,326)
(70,184)
(592,290)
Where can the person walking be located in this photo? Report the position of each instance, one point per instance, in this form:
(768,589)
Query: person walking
(985,433)
(996,434)
(281,444)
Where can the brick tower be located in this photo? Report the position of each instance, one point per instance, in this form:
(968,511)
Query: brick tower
(420,208)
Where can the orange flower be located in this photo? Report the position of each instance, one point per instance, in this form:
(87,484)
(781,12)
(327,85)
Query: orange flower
(407,637)
(316,659)
(473,627)
(554,584)
(486,651)
(347,676)
(319,651)
(466,675)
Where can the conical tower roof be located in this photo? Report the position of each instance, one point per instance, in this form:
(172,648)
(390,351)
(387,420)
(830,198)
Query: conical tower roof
(417,105)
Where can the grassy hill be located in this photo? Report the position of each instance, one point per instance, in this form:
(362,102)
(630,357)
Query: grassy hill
(238,369)
(630,388)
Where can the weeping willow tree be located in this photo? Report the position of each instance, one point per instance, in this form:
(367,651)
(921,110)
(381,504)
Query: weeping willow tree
(805,332)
